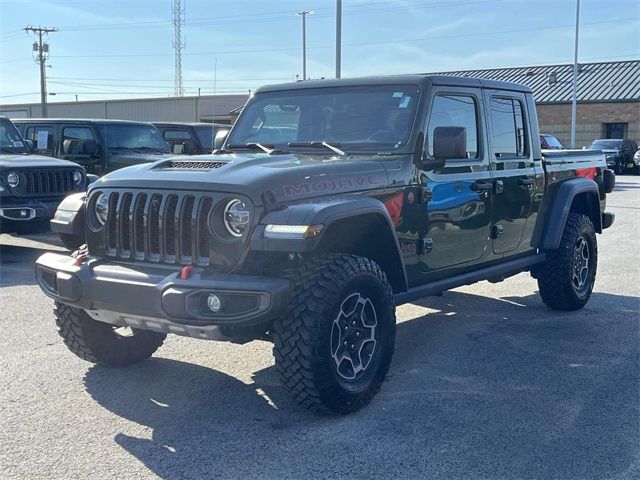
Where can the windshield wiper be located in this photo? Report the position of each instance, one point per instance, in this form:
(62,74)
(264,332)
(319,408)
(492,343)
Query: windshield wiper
(334,148)
(255,146)
(146,149)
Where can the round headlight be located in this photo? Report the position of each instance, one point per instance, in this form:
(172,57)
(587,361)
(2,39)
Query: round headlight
(13,179)
(237,217)
(77,177)
(102,208)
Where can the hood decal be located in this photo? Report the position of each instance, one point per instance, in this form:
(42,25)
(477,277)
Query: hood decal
(332,185)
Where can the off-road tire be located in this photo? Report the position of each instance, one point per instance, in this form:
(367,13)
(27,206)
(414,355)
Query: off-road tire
(303,338)
(98,342)
(555,275)
(71,242)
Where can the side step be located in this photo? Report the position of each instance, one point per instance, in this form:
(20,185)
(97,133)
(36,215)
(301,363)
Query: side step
(493,273)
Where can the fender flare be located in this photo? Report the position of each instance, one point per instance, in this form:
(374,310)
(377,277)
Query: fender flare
(70,225)
(330,212)
(557,211)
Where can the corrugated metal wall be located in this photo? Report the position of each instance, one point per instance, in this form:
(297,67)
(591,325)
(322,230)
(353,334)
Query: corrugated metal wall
(185,109)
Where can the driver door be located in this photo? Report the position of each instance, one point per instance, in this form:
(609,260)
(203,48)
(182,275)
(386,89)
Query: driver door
(76,141)
(458,196)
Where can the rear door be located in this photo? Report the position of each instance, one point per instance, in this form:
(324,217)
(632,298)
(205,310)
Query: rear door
(513,168)
(458,196)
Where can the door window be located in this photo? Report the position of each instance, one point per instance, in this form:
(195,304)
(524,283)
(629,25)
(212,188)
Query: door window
(73,139)
(180,141)
(509,134)
(42,138)
(455,111)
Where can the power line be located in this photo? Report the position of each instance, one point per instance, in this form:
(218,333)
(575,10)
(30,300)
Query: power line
(359,44)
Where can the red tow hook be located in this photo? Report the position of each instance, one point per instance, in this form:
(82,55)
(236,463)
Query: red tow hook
(185,272)
(79,259)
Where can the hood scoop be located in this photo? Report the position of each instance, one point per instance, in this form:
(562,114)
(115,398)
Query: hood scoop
(191,164)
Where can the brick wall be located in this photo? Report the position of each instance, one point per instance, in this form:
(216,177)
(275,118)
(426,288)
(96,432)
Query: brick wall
(556,120)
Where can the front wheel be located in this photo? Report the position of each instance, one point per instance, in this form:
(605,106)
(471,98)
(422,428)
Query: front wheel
(334,346)
(102,343)
(567,276)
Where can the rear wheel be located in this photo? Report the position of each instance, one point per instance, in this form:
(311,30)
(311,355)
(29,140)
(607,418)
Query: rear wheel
(103,343)
(334,346)
(567,276)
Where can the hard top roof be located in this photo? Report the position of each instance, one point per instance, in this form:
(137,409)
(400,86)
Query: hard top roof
(446,80)
(77,120)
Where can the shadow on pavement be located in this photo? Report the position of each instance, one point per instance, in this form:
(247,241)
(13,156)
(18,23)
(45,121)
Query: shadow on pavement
(19,254)
(483,387)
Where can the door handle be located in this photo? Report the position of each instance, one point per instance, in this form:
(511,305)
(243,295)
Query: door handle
(481,186)
(525,182)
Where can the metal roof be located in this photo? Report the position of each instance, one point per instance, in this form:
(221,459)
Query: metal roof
(597,82)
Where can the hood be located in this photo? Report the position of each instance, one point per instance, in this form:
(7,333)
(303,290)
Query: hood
(33,161)
(290,177)
(611,151)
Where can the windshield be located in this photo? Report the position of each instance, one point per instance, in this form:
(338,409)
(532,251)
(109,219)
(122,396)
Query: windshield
(10,139)
(553,142)
(600,144)
(133,137)
(362,118)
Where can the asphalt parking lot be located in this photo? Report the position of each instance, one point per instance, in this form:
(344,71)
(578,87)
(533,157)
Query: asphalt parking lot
(486,382)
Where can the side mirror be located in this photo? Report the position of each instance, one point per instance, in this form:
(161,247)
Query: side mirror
(29,145)
(448,142)
(89,147)
(221,136)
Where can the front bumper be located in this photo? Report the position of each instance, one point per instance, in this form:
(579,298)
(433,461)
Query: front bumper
(17,210)
(156,298)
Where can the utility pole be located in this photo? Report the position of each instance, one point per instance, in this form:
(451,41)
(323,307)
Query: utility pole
(177,11)
(304,14)
(338,37)
(575,79)
(40,55)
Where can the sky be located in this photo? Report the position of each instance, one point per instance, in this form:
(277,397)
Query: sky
(107,49)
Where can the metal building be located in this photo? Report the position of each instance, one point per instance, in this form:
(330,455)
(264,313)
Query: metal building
(608,97)
(184,109)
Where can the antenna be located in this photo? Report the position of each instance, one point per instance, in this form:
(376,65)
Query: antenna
(178,45)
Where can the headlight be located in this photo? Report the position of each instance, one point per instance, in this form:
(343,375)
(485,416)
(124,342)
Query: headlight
(102,208)
(77,177)
(237,217)
(13,179)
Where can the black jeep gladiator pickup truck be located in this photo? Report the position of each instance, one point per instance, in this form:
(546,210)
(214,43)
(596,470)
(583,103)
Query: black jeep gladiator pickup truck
(330,203)
(31,186)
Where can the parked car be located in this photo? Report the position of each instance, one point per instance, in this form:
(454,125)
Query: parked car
(329,203)
(100,146)
(549,142)
(190,138)
(32,186)
(618,153)
(636,162)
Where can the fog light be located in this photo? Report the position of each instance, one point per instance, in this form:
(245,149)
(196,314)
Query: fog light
(214,303)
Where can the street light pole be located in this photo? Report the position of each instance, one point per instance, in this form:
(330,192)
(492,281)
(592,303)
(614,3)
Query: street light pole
(575,79)
(304,14)
(338,37)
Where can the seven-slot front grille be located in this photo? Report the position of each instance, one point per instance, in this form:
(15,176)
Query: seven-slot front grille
(159,227)
(46,182)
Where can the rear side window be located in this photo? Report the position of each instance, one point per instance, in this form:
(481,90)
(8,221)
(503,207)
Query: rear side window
(42,138)
(509,135)
(455,111)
